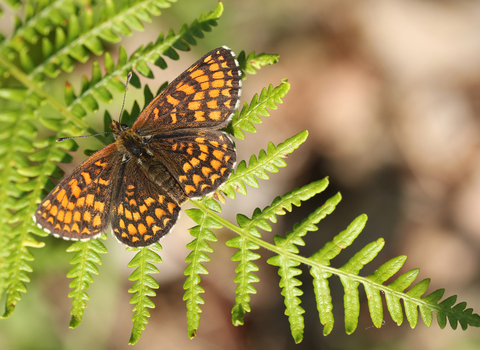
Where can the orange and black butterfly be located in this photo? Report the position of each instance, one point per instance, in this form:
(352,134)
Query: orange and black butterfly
(173,152)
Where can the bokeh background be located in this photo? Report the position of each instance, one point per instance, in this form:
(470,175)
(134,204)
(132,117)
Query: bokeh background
(390,93)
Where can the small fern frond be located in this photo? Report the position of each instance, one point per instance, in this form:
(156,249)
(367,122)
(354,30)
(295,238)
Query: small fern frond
(252,63)
(143,287)
(251,113)
(258,167)
(85,264)
(199,248)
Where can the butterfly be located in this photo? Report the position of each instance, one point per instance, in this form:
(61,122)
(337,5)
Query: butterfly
(173,152)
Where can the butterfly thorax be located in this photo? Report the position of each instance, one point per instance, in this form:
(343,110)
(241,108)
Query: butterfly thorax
(129,142)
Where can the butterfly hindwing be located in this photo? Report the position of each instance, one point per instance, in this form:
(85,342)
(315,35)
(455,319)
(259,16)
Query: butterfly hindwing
(204,96)
(79,207)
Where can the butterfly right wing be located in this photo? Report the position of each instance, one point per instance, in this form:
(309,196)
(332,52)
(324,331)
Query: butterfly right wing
(79,207)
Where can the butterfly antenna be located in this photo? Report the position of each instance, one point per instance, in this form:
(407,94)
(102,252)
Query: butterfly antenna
(129,76)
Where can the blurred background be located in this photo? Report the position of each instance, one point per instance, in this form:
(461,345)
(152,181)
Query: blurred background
(390,93)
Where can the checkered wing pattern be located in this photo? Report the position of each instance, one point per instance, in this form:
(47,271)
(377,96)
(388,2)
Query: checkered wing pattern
(143,211)
(204,96)
(79,207)
(200,160)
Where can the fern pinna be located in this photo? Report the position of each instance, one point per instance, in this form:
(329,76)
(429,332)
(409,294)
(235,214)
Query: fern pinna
(53,37)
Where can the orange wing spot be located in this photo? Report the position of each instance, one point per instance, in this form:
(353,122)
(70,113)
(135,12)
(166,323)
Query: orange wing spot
(50,220)
(76,191)
(225,146)
(215,164)
(155,113)
(143,208)
(122,223)
(47,202)
(214,93)
(100,164)
(61,215)
(136,216)
(218,83)
(142,229)
(90,200)
(75,228)
(135,239)
(223,170)
(224,64)
(205,86)
(202,79)
(215,115)
(97,221)
(174,146)
(149,201)
(87,178)
(165,221)
(214,177)
(80,202)
(204,186)
(226,92)
(227,103)
(188,89)
(133,202)
(208,58)
(68,217)
(57,226)
(54,210)
(196,73)
(194,106)
(56,190)
(174,118)
(120,209)
(65,202)
(218,75)
(187,167)
(87,217)
(218,154)
(149,220)
(214,143)
(155,228)
(73,181)
(130,187)
(129,193)
(60,195)
(199,116)
(71,206)
(200,140)
(128,214)
(44,215)
(103,182)
(214,67)
(229,83)
(206,171)
(182,178)
(203,148)
(199,96)
(124,235)
(147,237)
(99,206)
(77,216)
(212,104)
(203,156)
(132,230)
(190,151)
(196,179)
(161,198)
(172,100)
(171,206)
(66,228)
(86,230)
(194,161)
(159,213)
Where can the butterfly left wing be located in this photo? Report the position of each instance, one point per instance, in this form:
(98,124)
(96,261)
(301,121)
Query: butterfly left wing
(79,207)
(204,96)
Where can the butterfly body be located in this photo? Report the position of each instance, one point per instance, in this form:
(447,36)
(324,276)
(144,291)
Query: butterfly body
(173,152)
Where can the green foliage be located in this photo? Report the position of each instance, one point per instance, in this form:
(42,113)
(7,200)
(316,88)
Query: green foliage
(54,37)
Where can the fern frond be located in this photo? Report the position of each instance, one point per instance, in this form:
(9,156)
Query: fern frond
(143,287)
(85,264)
(199,248)
(258,167)
(252,62)
(251,113)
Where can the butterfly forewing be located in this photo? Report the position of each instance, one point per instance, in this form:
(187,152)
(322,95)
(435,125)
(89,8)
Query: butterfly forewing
(143,212)
(79,207)
(204,96)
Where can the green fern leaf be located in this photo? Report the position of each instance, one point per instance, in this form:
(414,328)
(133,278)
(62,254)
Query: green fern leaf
(143,287)
(84,262)
(252,62)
